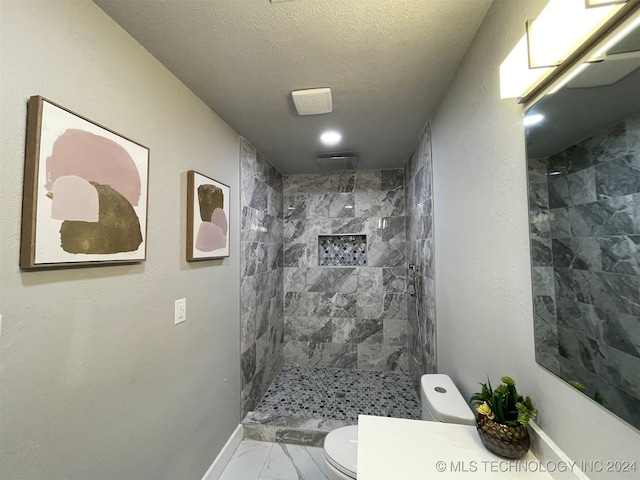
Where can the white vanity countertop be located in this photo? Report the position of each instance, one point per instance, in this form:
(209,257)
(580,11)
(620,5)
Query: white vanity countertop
(400,449)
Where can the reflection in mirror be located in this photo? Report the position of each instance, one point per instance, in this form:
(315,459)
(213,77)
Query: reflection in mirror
(584,209)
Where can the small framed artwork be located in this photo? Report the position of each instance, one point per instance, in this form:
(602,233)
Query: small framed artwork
(207,218)
(85,192)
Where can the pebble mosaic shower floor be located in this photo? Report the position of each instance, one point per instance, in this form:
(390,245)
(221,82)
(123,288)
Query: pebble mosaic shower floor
(303,404)
(340,394)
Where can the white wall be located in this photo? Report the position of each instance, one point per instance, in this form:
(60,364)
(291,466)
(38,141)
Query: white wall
(97,382)
(483,284)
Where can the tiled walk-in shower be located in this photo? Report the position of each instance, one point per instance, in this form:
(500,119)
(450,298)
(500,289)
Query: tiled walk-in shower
(303,404)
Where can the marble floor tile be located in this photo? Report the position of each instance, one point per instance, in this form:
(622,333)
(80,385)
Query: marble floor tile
(294,462)
(247,461)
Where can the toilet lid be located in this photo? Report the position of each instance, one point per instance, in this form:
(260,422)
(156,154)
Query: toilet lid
(341,449)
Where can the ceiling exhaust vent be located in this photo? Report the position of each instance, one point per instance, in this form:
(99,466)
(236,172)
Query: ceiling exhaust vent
(313,102)
(337,163)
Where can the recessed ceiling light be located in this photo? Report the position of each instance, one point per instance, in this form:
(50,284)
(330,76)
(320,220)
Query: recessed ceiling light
(532,119)
(331,137)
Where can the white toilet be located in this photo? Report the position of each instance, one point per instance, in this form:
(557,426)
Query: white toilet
(441,402)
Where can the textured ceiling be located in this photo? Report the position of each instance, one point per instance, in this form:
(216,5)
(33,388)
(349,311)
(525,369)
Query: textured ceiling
(387,62)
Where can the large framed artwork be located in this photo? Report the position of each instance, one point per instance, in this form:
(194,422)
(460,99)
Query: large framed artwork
(207,218)
(85,192)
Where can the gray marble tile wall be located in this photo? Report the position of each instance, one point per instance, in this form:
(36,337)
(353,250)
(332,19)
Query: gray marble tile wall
(347,317)
(261,278)
(585,236)
(421,307)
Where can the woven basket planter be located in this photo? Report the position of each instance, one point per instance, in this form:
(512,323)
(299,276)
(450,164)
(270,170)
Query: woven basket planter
(503,440)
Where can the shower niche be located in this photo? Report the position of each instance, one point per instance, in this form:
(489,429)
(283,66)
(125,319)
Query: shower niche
(342,250)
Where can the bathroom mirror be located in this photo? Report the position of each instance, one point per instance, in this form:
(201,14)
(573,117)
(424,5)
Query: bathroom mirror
(584,209)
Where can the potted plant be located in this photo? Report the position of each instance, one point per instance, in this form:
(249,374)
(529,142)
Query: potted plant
(503,416)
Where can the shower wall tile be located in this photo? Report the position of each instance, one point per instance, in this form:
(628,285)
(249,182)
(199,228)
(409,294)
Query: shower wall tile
(538,196)
(254,193)
(262,276)
(295,255)
(581,318)
(296,304)
(262,312)
(612,292)
(537,169)
(294,230)
(601,360)
(386,254)
(369,203)
(295,207)
(295,279)
(332,305)
(581,253)
(330,205)
(370,280)
(370,304)
(559,223)
(348,226)
(620,254)
(573,189)
(247,327)
(254,258)
(544,307)
(308,329)
(314,228)
(612,216)
(546,344)
(422,187)
(391,180)
(420,221)
(379,204)
(274,202)
(419,348)
(394,306)
(357,331)
(342,330)
(611,397)
(618,177)
(275,256)
(313,183)
(382,357)
(308,354)
(394,280)
(369,180)
(394,332)
(328,279)
(387,229)
(621,331)
(540,229)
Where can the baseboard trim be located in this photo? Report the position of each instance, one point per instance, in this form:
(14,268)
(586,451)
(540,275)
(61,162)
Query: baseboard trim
(548,453)
(225,455)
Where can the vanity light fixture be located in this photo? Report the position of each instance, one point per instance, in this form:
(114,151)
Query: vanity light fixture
(563,31)
(331,137)
(570,76)
(530,120)
(562,26)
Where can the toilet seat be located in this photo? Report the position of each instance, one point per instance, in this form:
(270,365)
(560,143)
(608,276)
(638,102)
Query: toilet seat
(341,450)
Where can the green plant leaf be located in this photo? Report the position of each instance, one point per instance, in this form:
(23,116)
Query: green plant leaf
(506,404)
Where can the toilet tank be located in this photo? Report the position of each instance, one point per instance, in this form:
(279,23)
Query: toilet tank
(443,402)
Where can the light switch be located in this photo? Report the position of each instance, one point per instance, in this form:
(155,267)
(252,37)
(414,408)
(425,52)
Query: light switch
(181,310)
